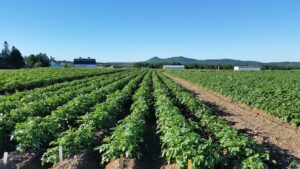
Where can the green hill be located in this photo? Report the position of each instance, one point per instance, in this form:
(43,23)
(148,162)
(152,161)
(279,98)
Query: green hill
(185,60)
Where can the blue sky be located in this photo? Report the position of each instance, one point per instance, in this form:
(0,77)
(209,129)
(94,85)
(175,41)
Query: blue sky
(135,30)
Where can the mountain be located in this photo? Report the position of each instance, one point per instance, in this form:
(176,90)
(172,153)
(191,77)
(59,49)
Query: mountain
(185,60)
(179,59)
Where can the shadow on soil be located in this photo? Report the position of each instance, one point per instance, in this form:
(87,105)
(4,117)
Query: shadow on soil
(281,156)
(151,158)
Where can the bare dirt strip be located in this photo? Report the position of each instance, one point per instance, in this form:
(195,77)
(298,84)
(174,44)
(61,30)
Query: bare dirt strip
(282,139)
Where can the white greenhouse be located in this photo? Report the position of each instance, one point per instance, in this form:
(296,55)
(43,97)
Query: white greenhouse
(246,68)
(173,67)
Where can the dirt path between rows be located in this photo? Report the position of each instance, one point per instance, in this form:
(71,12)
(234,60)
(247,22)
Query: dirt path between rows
(281,139)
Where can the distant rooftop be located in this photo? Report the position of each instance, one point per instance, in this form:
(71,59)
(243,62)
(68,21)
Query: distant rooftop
(84,61)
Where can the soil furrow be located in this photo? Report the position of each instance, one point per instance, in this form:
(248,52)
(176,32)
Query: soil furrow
(282,139)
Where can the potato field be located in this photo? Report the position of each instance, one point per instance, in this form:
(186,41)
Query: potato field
(136,118)
(276,92)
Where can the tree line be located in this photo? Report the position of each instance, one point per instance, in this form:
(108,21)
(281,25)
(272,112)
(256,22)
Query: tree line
(187,66)
(13,59)
(210,66)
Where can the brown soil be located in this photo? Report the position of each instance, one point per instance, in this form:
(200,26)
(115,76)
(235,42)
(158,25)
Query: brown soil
(17,160)
(83,160)
(282,139)
(151,148)
(86,159)
(127,164)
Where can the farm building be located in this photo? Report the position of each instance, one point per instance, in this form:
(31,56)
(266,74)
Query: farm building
(55,64)
(85,63)
(246,68)
(171,67)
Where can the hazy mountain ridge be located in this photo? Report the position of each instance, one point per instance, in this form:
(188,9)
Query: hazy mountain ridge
(185,60)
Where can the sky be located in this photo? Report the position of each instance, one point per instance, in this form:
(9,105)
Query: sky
(136,30)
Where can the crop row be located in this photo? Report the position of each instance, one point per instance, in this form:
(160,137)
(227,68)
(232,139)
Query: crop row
(16,100)
(275,92)
(37,131)
(43,107)
(103,117)
(180,141)
(26,80)
(236,145)
(127,137)
(93,113)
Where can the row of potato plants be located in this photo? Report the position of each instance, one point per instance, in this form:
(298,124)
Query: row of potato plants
(22,98)
(34,74)
(37,131)
(49,77)
(236,145)
(27,74)
(44,107)
(104,116)
(275,92)
(127,137)
(180,141)
(19,99)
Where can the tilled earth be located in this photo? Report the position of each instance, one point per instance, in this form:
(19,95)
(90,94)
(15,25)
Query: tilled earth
(282,139)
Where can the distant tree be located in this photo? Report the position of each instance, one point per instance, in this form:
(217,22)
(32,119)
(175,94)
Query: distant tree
(4,56)
(38,64)
(140,65)
(30,60)
(1,61)
(39,60)
(5,50)
(11,59)
(15,60)
(43,59)
(52,59)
